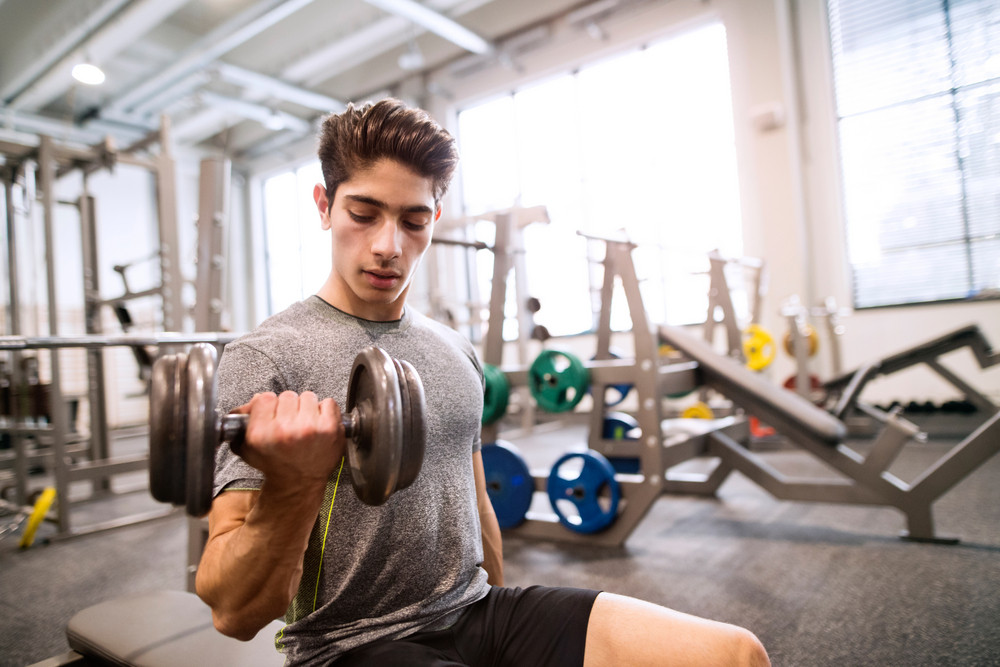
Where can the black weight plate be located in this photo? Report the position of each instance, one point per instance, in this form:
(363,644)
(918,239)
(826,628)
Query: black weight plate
(374,452)
(202,427)
(411,391)
(167,466)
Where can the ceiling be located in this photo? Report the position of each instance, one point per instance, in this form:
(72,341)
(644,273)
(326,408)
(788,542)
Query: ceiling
(242,76)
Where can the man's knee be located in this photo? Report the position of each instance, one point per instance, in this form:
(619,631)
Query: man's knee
(750,651)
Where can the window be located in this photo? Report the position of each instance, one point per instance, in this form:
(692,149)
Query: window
(298,250)
(641,142)
(918,102)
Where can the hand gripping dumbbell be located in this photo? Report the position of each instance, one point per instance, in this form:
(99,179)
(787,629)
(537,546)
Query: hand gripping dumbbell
(383,425)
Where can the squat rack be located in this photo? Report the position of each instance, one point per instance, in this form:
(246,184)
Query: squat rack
(39,165)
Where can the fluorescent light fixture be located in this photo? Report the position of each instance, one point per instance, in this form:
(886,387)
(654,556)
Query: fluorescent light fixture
(435,22)
(88,73)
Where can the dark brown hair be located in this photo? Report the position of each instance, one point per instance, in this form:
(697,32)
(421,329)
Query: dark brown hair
(357,138)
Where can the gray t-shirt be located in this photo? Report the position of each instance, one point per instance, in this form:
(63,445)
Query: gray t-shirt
(371,572)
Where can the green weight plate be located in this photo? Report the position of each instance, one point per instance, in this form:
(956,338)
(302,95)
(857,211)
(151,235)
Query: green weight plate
(497,394)
(167,466)
(558,380)
(374,453)
(411,391)
(202,427)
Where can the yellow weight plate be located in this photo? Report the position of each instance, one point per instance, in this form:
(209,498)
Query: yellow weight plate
(758,347)
(698,410)
(810,335)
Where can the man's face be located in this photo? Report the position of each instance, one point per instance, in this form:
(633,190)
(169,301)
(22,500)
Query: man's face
(381,220)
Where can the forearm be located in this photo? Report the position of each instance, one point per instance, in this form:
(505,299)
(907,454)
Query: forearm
(492,547)
(252,563)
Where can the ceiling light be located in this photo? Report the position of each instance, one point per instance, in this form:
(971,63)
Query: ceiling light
(88,73)
(274,121)
(412,59)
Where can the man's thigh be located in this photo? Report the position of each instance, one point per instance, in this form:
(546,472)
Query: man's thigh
(627,631)
(533,626)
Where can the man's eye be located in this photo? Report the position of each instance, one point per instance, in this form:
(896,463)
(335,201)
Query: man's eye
(357,217)
(415,225)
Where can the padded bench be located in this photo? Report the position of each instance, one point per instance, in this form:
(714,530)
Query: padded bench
(786,411)
(164,629)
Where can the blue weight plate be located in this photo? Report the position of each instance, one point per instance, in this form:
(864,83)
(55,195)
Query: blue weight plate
(615,393)
(593,491)
(622,426)
(508,482)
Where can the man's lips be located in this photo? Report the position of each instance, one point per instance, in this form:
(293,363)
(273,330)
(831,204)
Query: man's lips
(382,279)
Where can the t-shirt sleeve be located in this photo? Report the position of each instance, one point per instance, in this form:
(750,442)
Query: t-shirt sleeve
(243,372)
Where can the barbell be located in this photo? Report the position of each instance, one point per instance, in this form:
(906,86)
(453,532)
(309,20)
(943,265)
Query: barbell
(383,422)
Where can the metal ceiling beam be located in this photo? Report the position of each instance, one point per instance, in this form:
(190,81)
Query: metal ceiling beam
(270,118)
(278,88)
(362,45)
(202,125)
(99,46)
(57,129)
(435,22)
(217,42)
(63,46)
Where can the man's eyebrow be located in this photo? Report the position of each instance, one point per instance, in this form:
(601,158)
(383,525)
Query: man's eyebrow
(378,203)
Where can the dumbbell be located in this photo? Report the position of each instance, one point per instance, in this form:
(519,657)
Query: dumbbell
(383,425)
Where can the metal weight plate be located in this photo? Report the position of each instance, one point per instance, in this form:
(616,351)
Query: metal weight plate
(411,392)
(758,347)
(374,453)
(621,426)
(508,482)
(202,427)
(615,393)
(583,491)
(497,394)
(698,410)
(812,339)
(558,380)
(816,392)
(167,458)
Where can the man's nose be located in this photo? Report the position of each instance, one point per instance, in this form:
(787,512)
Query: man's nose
(387,241)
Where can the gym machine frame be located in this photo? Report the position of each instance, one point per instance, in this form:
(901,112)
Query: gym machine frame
(52,161)
(865,478)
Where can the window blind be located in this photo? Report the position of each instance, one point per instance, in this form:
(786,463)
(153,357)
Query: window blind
(917,85)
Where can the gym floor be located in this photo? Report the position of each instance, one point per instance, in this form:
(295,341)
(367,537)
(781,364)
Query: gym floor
(820,584)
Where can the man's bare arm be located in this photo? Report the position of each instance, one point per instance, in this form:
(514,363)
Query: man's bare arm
(252,563)
(492,543)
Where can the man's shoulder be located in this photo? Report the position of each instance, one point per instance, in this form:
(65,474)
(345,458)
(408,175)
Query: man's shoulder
(441,330)
(281,328)
(444,337)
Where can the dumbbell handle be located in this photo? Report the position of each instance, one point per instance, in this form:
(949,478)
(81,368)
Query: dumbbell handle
(233,427)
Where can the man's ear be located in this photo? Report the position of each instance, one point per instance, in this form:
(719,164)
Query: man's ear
(319,196)
(437,214)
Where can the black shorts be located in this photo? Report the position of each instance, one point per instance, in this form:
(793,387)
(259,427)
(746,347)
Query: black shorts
(510,626)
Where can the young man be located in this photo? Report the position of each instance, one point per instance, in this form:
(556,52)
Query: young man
(419,579)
